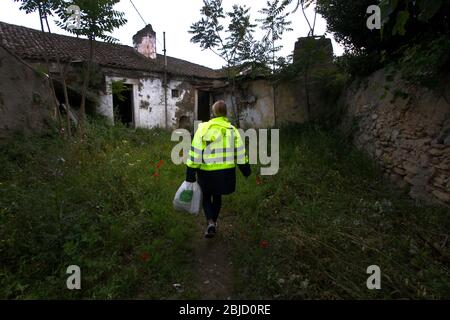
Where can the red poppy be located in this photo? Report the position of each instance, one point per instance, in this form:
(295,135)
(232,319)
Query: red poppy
(156,174)
(264,244)
(258,180)
(145,256)
(159,164)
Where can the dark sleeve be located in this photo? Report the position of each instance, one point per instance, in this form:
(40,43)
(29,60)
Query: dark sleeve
(245,169)
(191,174)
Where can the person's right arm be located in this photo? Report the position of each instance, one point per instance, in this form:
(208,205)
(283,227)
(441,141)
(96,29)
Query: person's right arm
(245,169)
(242,158)
(194,160)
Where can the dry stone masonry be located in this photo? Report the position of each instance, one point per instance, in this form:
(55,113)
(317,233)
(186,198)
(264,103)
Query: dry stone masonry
(407,130)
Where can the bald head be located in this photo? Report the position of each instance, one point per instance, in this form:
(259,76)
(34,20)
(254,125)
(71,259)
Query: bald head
(219,109)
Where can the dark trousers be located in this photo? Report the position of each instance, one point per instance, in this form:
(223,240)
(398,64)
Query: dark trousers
(211,205)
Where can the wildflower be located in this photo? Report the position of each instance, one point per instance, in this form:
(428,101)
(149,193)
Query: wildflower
(159,164)
(145,256)
(156,174)
(264,244)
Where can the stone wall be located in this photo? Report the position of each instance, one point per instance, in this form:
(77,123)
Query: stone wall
(407,130)
(25,103)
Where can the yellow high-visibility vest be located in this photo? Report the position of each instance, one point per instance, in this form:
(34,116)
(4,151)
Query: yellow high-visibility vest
(217,145)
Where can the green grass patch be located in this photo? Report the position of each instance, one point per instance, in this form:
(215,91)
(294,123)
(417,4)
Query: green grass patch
(104,204)
(311,231)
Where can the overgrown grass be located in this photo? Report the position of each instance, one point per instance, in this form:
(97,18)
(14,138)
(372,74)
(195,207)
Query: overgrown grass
(311,231)
(104,204)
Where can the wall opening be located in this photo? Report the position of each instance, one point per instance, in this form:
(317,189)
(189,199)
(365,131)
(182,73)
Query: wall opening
(123,105)
(203,108)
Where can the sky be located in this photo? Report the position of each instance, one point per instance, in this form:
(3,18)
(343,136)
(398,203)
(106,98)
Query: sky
(175,18)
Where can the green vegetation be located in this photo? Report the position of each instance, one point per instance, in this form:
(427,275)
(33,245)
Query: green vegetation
(104,204)
(414,37)
(309,232)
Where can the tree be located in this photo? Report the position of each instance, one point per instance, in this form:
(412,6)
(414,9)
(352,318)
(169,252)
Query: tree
(235,45)
(402,21)
(97,19)
(275,23)
(305,4)
(44,9)
(405,23)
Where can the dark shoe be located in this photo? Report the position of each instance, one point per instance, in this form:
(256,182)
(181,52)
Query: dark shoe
(210,231)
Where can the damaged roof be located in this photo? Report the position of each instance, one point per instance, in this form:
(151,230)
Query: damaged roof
(31,44)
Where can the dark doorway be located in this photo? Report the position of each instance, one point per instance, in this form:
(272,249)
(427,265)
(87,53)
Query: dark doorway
(203,110)
(123,105)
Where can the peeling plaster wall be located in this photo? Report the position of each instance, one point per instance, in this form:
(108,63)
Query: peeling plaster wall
(147,47)
(25,97)
(105,107)
(291,103)
(148,102)
(255,103)
(149,106)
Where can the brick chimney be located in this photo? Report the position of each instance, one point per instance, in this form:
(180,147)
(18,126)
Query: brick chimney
(145,42)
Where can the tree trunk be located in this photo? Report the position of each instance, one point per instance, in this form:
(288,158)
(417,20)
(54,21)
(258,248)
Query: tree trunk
(50,78)
(234,104)
(274,88)
(66,98)
(85,87)
(63,79)
(233,93)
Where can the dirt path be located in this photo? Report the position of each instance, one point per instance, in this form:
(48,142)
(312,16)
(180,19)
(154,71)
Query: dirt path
(213,263)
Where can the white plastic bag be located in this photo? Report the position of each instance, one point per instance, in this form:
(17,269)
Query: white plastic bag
(188,197)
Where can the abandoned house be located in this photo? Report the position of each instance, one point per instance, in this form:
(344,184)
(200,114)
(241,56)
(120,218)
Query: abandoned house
(140,70)
(128,82)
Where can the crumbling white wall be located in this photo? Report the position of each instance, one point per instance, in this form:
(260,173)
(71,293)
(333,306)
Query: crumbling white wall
(255,102)
(257,105)
(148,101)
